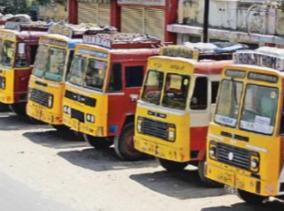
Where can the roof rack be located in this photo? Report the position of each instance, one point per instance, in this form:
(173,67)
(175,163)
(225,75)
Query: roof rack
(270,57)
(76,31)
(27,26)
(214,50)
(122,40)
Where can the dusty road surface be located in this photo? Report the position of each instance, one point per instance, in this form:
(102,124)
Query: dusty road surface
(41,169)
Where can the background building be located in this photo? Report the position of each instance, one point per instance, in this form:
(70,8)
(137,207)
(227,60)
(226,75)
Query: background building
(147,16)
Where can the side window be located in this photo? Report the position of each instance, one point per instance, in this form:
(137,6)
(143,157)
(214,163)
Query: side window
(200,94)
(70,59)
(33,52)
(115,82)
(214,91)
(134,76)
(22,55)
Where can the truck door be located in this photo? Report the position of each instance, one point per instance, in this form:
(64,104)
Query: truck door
(200,113)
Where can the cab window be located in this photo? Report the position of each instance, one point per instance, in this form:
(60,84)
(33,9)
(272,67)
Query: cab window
(134,76)
(200,94)
(259,109)
(214,91)
(115,82)
(22,55)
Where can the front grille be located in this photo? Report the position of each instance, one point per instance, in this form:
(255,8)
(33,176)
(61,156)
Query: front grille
(80,98)
(155,128)
(241,157)
(2,82)
(40,97)
(75,114)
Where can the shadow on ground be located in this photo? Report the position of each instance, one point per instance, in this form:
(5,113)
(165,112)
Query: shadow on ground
(270,206)
(10,121)
(56,139)
(180,185)
(102,160)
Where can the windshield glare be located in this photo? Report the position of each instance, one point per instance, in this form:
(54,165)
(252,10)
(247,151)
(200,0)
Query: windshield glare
(77,69)
(95,75)
(55,64)
(259,109)
(41,61)
(176,91)
(7,52)
(229,101)
(50,63)
(153,87)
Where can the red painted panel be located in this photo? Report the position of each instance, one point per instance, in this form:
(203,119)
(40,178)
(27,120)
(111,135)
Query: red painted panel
(198,136)
(21,81)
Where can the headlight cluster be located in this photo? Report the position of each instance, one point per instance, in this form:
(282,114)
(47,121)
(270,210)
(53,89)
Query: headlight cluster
(67,110)
(90,118)
(172,133)
(139,124)
(254,162)
(212,150)
(50,101)
(3,83)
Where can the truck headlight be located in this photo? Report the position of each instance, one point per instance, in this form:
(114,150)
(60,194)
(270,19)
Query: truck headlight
(67,110)
(3,83)
(139,124)
(212,150)
(171,133)
(254,162)
(50,101)
(90,118)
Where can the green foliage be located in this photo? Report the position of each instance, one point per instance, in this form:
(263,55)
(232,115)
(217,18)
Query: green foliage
(14,6)
(24,6)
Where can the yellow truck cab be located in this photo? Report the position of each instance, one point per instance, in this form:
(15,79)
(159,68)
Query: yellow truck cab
(245,138)
(53,60)
(18,46)
(103,86)
(176,103)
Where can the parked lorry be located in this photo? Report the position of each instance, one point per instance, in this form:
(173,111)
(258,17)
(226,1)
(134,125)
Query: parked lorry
(177,101)
(53,61)
(245,138)
(103,86)
(18,49)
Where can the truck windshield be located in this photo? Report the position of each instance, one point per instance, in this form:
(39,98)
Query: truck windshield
(95,74)
(56,64)
(176,91)
(7,53)
(229,102)
(153,87)
(50,63)
(77,70)
(259,110)
(41,61)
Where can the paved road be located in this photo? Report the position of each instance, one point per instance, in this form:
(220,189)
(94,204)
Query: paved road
(42,169)
(15,196)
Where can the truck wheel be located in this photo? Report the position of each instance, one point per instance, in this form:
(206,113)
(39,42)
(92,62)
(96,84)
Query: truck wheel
(124,145)
(3,107)
(98,142)
(204,179)
(18,108)
(251,198)
(172,166)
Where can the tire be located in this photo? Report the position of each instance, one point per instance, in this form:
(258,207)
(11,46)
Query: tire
(251,198)
(98,142)
(62,128)
(4,107)
(172,166)
(207,182)
(124,145)
(19,108)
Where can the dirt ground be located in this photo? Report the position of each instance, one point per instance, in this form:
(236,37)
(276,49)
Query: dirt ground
(65,169)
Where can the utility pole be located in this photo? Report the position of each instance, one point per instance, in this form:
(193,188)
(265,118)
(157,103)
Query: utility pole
(206,20)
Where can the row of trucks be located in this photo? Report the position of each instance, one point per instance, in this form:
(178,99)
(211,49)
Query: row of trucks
(217,106)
